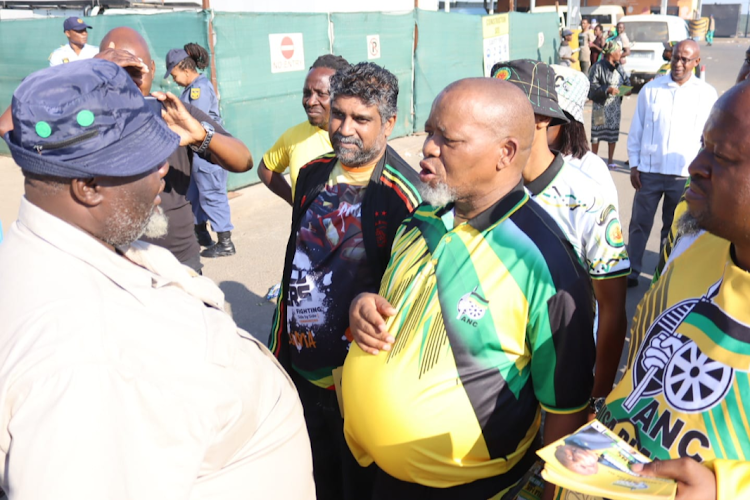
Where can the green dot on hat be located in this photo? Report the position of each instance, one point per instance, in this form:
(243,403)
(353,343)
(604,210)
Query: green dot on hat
(43,130)
(85,118)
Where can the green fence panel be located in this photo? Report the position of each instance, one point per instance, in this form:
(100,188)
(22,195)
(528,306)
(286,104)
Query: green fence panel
(449,47)
(25,45)
(353,38)
(258,105)
(526,33)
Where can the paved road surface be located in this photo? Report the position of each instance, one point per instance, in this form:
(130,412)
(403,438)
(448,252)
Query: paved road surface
(262,220)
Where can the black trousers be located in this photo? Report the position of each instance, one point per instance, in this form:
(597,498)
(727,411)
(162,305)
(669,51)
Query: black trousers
(337,474)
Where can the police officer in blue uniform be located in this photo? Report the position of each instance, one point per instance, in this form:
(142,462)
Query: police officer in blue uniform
(208,191)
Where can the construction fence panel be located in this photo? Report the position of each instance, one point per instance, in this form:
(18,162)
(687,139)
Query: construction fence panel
(384,39)
(261,64)
(449,47)
(534,36)
(26,44)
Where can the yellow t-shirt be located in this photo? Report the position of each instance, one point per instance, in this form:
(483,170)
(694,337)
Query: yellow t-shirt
(686,391)
(295,148)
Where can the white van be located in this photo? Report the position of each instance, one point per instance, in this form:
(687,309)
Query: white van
(561,11)
(606,15)
(647,35)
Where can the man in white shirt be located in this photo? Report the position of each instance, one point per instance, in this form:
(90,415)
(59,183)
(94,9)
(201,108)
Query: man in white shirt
(76,49)
(665,136)
(122,376)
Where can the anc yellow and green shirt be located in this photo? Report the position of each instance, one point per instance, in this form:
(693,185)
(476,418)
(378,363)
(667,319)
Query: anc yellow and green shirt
(686,391)
(494,317)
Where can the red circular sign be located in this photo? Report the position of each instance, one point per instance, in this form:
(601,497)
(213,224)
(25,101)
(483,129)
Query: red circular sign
(287,47)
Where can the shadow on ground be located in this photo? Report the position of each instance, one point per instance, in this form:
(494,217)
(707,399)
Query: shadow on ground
(250,311)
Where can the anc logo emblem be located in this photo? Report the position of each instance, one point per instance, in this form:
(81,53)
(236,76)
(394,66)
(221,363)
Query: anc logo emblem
(502,73)
(614,234)
(472,305)
(66,60)
(195,93)
(672,364)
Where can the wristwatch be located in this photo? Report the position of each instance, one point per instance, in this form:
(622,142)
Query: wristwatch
(209,135)
(596,404)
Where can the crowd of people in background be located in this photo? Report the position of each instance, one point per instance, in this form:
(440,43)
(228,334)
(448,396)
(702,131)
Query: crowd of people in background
(433,329)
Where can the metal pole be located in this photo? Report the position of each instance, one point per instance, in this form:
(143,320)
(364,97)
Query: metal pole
(747,17)
(663,10)
(447,6)
(207,7)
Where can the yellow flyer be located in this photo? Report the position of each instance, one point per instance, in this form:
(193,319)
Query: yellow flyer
(594,461)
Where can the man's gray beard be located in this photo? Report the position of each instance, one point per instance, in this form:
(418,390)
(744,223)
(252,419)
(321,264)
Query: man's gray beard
(157,225)
(688,225)
(359,157)
(439,195)
(126,226)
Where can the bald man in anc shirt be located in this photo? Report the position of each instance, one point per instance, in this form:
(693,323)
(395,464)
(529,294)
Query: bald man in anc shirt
(489,317)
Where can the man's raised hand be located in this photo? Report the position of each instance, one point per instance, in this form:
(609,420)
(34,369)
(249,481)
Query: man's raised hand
(367,324)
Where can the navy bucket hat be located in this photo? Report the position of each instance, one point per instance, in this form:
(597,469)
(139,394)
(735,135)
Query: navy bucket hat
(86,119)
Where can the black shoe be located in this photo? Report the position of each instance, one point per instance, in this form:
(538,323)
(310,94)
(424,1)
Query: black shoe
(204,237)
(223,248)
(633,281)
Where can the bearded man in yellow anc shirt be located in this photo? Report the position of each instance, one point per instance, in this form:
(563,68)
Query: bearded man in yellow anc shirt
(308,140)
(490,312)
(686,393)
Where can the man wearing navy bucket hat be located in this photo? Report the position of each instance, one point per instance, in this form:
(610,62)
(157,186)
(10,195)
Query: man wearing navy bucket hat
(122,375)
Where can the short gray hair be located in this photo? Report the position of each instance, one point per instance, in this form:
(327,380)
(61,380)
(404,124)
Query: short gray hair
(374,85)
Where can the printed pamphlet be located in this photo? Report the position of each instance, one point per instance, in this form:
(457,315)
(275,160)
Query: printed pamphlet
(595,461)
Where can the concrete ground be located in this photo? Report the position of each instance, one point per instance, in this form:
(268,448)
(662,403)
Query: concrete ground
(262,220)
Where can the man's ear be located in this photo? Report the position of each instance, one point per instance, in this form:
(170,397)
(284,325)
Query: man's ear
(389,124)
(153,66)
(87,192)
(508,150)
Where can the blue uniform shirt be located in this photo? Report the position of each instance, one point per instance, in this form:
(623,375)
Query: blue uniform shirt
(201,94)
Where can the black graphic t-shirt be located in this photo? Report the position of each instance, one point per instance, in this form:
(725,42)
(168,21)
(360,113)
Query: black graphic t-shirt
(329,269)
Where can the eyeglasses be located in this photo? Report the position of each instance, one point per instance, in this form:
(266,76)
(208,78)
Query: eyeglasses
(683,60)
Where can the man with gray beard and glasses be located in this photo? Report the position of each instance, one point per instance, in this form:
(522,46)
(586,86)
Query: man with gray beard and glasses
(348,205)
(122,375)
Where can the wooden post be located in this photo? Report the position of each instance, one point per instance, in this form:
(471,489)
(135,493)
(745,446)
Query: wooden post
(207,6)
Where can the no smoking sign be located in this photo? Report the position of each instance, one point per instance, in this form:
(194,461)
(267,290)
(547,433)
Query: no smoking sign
(287,52)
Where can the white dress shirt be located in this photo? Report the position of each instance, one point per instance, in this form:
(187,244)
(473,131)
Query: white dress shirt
(665,134)
(66,54)
(121,378)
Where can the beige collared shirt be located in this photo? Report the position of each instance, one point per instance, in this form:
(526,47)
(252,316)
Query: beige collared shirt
(123,378)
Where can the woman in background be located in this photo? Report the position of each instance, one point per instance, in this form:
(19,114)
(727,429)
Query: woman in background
(606,77)
(208,182)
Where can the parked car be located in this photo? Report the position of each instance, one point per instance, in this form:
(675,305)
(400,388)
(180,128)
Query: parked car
(647,35)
